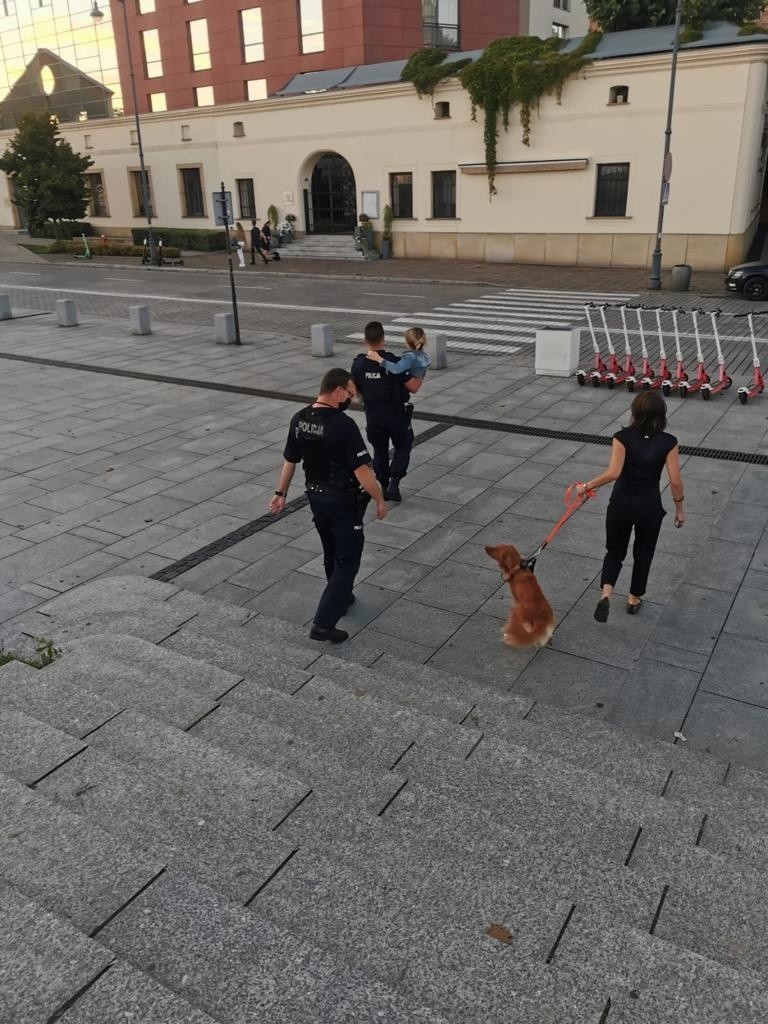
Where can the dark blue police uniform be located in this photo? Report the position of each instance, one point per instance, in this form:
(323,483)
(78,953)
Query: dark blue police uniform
(331,447)
(387,415)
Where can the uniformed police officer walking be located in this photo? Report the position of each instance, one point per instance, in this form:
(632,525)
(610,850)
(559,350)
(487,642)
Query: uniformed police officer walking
(339,483)
(387,413)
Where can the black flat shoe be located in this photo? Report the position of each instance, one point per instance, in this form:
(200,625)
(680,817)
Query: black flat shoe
(335,636)
(633,609)
(602,609)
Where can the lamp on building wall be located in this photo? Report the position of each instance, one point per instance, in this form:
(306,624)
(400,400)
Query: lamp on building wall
(655,281)
(154,258)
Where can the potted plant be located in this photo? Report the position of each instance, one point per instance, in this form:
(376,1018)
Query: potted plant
(291,219)
(386,235)
(364,233)
(273,218)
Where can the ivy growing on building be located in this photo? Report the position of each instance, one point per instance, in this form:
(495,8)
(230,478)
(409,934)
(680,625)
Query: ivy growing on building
(426,70)
(518,71)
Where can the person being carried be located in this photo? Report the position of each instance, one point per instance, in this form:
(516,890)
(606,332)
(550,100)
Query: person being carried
(415,361)
(339,483)
(639,454)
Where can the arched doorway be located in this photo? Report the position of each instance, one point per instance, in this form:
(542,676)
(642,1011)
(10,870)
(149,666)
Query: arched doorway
(331,199)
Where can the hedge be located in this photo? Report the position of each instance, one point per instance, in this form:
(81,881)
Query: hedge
(66,229)
(196,239)
(99,249)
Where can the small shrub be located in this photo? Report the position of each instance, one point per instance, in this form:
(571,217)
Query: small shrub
(66,229)
(97,248)
(194,239)
(46,652)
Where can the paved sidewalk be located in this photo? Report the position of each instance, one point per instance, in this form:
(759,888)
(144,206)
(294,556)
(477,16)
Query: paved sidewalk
(105,475)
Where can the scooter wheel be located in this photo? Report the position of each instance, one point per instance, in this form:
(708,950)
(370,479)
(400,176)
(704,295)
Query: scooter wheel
(743,398)
(595,382)
(666,389)
(728,382)
(705,394)
(683,390)
(646,385)
(630,386)
(581,378)
(611,382)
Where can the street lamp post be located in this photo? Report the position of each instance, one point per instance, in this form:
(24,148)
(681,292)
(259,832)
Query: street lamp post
(98,14)
(655,280)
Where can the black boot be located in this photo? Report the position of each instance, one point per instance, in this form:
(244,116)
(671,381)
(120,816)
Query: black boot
(392,492)
(336,636)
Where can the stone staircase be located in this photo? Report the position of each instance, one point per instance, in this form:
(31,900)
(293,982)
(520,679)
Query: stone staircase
(321,247)
(206,817)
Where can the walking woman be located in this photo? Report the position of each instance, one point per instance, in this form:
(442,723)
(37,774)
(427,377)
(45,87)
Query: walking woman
(639,453)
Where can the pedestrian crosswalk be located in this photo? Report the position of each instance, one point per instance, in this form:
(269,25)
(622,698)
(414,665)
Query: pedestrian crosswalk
(502,321)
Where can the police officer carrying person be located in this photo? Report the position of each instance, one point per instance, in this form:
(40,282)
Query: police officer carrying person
(339,484)
(387,412)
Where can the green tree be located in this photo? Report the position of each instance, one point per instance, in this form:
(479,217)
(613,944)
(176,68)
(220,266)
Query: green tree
(618,15)
(48,175)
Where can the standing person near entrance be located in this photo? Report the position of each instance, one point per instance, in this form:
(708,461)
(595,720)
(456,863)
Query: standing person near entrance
(640,452)
(266,235)
(257,243)
(387,411)
(339,483)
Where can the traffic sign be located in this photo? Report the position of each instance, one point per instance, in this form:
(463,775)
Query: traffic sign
(667,175)
(222,208)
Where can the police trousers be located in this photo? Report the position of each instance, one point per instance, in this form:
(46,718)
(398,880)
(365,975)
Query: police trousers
(621,519)
(338,519)
(385,426)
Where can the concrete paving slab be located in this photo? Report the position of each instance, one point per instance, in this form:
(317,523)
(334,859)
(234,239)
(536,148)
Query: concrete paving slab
(729,729)
(748,615)
(737,669)
(30,749)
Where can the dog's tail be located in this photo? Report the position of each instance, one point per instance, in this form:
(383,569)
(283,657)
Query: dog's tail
(529,627)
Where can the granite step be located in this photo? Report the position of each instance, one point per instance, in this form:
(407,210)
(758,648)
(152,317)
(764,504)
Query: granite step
(210,840)
(185,763)
(72,868)
(43,961)
(238,966)
(460,971)
(30,749)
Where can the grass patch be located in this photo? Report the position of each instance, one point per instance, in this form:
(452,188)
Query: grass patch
(46,652)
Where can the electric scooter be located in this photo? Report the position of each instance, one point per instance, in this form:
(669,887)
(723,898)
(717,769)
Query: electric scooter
(723,381)
(663,372)
(616,373)
(701,377)
(645,376)
(597,374)
(758,381)
(630,373)
(680,377)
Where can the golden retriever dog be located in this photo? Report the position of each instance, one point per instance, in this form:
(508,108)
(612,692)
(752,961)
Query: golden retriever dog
(531,621)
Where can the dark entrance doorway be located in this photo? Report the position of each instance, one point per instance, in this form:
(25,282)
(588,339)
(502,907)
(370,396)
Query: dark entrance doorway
(333,207)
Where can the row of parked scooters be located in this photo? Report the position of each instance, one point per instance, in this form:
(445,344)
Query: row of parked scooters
(613,372)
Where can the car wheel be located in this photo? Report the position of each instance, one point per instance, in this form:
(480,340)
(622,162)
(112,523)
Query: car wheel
(756,289)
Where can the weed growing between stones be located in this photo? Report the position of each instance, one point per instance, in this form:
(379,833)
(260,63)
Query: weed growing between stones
(46,652)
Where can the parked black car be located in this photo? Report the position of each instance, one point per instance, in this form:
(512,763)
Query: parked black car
(750,279)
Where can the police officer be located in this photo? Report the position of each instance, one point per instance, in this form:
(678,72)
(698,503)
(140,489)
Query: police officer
(339,483)
(387,412)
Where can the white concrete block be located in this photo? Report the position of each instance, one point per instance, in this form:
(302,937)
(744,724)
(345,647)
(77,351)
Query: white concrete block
(322,340)
(5,307)
(557,351)
(140,320)
(66,312)
(437,350)
(225,328)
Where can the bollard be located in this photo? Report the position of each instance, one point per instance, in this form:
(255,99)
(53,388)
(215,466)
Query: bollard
(140,322)
(321,336)
(5,307)
(437,350)
(557,351)
(66,311)
(225,328)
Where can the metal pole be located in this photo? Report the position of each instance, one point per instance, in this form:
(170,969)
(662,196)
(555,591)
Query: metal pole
(231,267)
(655,280)
(143,176)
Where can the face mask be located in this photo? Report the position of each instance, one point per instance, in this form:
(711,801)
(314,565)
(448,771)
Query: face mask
(343,406)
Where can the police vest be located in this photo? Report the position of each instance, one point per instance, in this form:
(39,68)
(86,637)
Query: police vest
(323,466)
(378,387)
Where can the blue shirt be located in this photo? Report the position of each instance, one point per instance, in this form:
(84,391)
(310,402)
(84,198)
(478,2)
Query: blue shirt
(416,363)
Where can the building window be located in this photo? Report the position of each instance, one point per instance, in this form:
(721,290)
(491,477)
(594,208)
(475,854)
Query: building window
(559,31)
(145,6)
(246,197)
(153,61)
(440,23)
(97,206)
(256,89)
(199,47)
(192,192)
(618,94)
(137,193)
(311,22)
(443,194)
(442,110)
(7,8)
(157,102)
(252,35)
(401,195)
(87,144)
(186,133)
(563,5)
(612,188)
(134,137)
(238,130)
(204,96)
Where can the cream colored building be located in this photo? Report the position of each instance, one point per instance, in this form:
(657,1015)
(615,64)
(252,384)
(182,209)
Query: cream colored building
(585,192)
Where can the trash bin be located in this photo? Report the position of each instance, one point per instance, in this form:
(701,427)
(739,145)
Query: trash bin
(681,277)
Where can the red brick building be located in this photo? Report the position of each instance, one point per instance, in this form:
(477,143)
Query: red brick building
(190,53)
